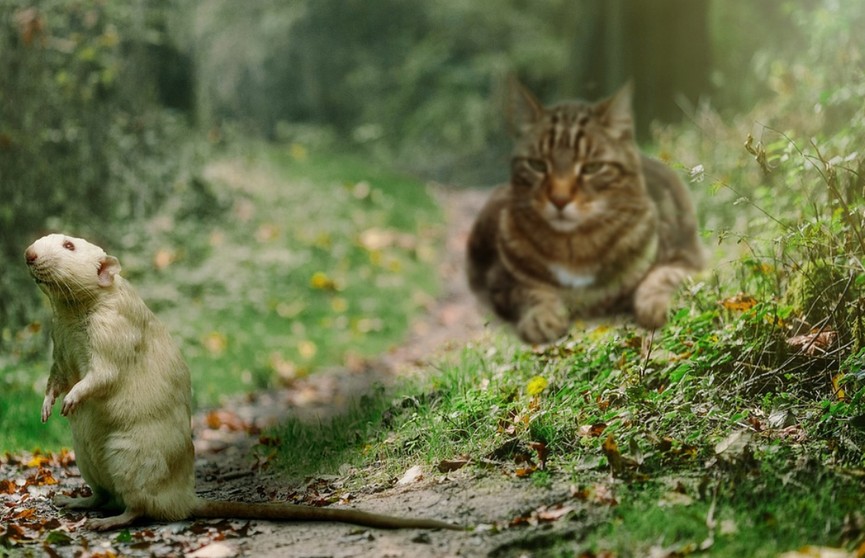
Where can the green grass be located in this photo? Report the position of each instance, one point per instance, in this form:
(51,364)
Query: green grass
(277,263)
(740,426)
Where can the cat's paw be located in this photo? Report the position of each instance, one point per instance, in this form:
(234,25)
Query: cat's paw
(654,295)
(543,324)
(651,310)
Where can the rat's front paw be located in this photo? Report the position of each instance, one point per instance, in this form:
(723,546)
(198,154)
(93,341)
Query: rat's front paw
(72,401)
(47,405)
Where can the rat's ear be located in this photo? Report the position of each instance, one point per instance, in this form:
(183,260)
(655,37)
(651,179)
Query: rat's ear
(108,268)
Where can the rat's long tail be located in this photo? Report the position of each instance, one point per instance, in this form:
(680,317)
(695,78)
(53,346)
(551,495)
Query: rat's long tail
(278,511)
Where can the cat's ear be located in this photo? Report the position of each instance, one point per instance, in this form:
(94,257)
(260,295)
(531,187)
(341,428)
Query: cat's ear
(522,109)
(616,113)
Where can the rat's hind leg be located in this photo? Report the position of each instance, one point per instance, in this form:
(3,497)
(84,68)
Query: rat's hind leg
(114,521)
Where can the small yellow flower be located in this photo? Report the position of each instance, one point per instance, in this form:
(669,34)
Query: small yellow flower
(320,280)
(338,304)
(298,152)
(215,343)
(536,385)
(307,349)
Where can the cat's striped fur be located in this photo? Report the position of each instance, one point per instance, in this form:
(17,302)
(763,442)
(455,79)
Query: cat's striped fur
(587,225)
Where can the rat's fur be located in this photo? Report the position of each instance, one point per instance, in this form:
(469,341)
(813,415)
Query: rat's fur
(127,398)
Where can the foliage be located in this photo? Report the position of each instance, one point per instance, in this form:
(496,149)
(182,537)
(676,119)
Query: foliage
(84,146)
(739,428)
(415,82)
(263,295)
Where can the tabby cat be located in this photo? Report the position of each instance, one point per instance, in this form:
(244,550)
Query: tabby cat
(588,226)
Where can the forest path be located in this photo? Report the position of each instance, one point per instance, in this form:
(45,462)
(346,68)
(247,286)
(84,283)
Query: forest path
(472,499)
(504,515)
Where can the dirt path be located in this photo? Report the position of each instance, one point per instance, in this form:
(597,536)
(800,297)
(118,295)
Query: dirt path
(485,500)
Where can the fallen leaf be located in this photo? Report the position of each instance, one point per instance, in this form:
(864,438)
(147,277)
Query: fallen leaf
(307,349)
(413,474)
(739,302)
(602,494)
(818,552)
(553,513)
(543,452)
(592,430)
(619,464)
(781,418)
(39,460)
(448,465)
(58,538)
(8,487)
(674,498)
(267,232)
(215,550)
(523,472)
(215,343)
(814,343)
(838,386)
(163,258)
(226,420)
(734,444)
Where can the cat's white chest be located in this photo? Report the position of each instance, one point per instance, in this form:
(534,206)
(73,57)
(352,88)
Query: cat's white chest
(571,279)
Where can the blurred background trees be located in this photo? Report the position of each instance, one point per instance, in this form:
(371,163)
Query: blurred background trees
(107,108)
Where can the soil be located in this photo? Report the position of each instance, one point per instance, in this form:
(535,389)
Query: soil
(505,516)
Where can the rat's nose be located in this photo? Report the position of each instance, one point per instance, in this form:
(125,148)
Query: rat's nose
(30,255)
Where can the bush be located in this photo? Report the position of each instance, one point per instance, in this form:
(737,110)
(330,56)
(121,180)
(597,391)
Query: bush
(84,146)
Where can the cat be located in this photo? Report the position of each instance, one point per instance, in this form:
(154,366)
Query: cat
(588,226)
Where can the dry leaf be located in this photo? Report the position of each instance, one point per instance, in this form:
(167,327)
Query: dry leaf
(543,452)
(592,430)
(553,513)
(163,258)
(734,444)
(523,472)
(838,386)
(221,419)
(818,552)
(215,343)
(448,465)
(414,474)
(215,550)
(619,464)
(815,343)
(739,303)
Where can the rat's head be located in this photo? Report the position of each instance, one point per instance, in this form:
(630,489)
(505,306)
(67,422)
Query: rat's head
(70,269)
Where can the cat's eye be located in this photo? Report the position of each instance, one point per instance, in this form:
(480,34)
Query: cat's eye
(592,168)
(537,165)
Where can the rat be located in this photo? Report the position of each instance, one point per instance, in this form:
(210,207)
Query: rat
(126,392)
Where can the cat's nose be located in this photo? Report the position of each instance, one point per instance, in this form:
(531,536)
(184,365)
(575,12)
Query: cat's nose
(560,201)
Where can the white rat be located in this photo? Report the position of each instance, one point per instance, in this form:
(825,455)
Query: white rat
(127,398)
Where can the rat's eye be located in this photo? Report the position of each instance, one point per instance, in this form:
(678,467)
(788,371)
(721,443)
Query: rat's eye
(69,245)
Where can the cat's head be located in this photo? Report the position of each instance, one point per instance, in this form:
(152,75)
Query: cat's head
(574,162)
